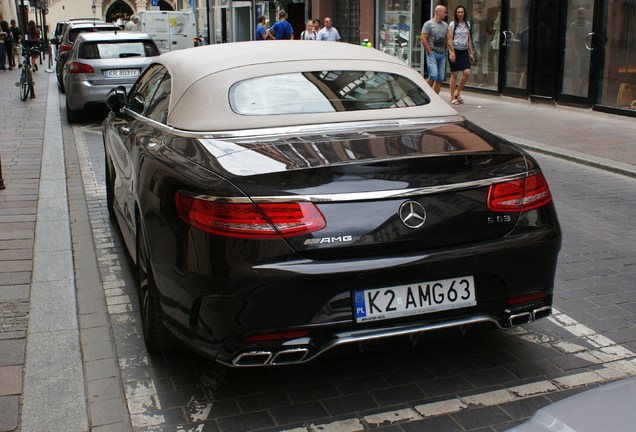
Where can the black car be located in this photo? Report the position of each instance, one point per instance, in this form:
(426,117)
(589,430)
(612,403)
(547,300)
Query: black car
(281,199)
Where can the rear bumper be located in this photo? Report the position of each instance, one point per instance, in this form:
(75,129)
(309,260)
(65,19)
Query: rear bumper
(316,297)
(81,93)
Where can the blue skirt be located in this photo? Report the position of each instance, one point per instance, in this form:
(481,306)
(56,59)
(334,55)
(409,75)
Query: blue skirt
(462,61)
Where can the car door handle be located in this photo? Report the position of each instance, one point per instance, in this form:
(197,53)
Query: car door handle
(124,130)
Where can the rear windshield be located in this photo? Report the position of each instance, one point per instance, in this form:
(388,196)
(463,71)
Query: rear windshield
(73,33)
(325,91)
(117,49)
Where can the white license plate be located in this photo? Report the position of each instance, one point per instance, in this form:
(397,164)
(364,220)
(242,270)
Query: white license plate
(419,298)
(121,73)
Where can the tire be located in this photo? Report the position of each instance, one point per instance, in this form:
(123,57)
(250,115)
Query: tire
(24,84)
(72,116)
(110,192)
(156,335)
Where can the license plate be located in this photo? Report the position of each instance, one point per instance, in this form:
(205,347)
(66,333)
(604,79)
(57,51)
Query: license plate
(419,298)
(121,73)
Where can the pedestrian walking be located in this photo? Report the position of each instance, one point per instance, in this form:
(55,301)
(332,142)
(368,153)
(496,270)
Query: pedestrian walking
(461,54)
(282,30)
(317,25)
(33,41)
(328,32)
(434,37)
(309,33)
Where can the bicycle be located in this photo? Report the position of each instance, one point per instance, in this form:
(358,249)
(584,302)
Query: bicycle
(26,83)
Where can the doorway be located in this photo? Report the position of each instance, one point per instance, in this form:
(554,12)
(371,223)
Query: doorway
(545,49)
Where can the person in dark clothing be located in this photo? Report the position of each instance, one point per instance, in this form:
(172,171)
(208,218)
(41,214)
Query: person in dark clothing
(16,51)
(33,40)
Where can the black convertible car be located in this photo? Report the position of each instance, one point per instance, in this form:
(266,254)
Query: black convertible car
(281,199)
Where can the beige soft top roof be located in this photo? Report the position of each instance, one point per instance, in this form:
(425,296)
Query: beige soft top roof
(202,77)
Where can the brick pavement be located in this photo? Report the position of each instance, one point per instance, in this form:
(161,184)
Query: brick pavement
(21,139)
(607,141)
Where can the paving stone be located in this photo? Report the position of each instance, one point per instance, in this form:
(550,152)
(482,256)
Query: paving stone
(298,413)
(397,395)
(12,351)
(245,422)
(262,401)
(108,411)
(525,408)
(10,380)
(348,404)
(480,417)
(9,412)
(442,423)
(313,392)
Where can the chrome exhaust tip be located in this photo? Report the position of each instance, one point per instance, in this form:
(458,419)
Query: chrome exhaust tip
(289,356)
(519,319)
(542,312)
(252,358)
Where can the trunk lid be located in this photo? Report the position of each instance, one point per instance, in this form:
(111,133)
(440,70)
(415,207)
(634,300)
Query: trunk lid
(388,191)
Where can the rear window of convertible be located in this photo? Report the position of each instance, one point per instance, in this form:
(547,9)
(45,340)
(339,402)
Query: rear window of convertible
(326,91)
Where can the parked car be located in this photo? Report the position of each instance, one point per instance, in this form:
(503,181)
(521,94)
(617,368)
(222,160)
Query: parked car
(61,26)
(65,43)
(609,408)
(101,60)
(283,199)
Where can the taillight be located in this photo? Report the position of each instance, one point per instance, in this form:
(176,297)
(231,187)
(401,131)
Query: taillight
(65,47)
(246,220)
(519,195)
(76,67)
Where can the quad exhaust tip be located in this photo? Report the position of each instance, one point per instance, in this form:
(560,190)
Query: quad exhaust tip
(526,317)
(262,358)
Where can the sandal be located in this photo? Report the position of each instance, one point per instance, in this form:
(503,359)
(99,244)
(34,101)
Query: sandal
(459,99)
(455,101)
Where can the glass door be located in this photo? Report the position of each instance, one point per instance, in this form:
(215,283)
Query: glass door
(242,25)
(579,44)
(615,55)
(545,47)
(512,28)
(396,37)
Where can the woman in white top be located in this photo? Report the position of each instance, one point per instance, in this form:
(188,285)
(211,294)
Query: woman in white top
(460,46)
(309,33)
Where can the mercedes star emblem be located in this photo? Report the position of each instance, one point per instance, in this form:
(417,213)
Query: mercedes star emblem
(412,214)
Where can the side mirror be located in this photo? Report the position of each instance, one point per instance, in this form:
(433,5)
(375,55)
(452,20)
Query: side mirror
(64,55)
(116,98)
(55,41)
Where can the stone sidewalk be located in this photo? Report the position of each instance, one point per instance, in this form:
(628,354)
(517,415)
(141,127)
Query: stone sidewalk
(41,372)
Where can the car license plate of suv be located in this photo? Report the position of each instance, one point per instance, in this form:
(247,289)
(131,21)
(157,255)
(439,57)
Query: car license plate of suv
(121,73)
(418,298)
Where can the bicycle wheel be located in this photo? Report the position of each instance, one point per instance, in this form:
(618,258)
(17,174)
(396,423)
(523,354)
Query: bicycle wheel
(24,84)
(31,83)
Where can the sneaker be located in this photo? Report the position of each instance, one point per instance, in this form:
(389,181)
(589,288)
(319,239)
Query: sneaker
(455,101)
(19,65)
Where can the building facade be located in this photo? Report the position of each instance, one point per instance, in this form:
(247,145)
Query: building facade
(578,52)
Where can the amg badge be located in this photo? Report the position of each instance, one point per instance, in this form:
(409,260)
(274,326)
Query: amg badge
(338,239)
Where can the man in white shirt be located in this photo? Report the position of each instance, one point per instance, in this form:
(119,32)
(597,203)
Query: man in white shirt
(133,24)
(328,33)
